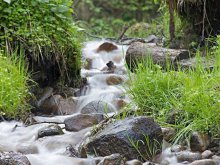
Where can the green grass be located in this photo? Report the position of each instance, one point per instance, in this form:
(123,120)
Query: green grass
(13,86)
(194,94)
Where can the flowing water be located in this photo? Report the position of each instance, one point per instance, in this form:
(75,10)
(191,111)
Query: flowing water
(51,150)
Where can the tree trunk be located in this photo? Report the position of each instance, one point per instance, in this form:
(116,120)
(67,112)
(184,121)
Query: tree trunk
(172,24)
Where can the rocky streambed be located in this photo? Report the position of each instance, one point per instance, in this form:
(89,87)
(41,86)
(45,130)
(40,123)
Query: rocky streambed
(78,126)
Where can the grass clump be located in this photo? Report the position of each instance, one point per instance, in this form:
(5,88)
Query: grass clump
(186,99)
(13,86)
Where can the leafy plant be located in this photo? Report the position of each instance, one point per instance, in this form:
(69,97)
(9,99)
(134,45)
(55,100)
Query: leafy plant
(13,86)
(45,30)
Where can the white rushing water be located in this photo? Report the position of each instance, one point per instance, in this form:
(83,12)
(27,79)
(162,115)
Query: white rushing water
(50,150)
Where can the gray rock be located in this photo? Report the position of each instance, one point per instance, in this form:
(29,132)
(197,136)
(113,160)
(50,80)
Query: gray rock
(199,142)
(174,116)
(177,148)
(57,105)
(204,162)
(50,130)
(12,158)
(188,156)
(207,154)
(81,121)
(139,51)
(97,106)
(43,95)
(168,133)
(114,159)
(118,137)
(67,92)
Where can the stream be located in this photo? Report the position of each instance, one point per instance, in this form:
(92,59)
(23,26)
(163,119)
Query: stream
(50,150)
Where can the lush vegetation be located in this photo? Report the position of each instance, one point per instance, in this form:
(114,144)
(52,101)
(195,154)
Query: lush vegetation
(188,100)
(39,37)
(13,86)
(107,18)
(45,30)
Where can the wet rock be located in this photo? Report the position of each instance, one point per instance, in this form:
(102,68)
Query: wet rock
(114,159)
(26,148)
(97,106)
(107,47)
(168,133)
(114,80)
(188,156)
(68,91)
(199,142)
(174,116)
(12,158)
(50,130)
(204,162)
(177,148)
(207,154)
(43,94)
(81,121)
(139,51)
(57,105)
(117,137)
(133,162)
(120,103)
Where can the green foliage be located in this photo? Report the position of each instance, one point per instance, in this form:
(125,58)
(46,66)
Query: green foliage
(193,94)
(107,18)
(13,86)
(44,29)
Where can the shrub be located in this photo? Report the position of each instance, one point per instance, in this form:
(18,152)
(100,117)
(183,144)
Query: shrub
(13,86)
(45,30)
(193,94)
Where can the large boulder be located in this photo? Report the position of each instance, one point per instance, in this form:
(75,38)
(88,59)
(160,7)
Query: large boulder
(12,158)
(139,51)
(97,106)
(57,105)
(123,136)
(81,121)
